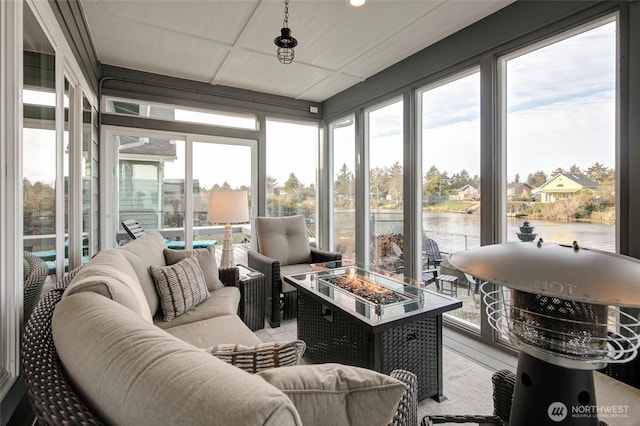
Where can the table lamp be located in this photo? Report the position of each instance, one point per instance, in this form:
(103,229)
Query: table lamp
(552,301)
(228,207)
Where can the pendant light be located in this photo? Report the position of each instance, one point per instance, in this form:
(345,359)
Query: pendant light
(285,41)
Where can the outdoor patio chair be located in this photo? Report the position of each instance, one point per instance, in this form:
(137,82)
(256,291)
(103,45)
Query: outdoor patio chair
(432,252)
(429,275)
(282,248)
(472,282)
(135,230)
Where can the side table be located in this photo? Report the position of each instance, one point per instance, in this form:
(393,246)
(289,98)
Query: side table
(252,297)
(453,284)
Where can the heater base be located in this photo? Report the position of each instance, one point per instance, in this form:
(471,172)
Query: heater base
(546,394)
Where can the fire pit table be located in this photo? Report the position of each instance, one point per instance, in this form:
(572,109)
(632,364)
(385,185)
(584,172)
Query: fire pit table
(353,315)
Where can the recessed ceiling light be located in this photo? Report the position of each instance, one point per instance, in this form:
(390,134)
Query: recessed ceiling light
(357,3)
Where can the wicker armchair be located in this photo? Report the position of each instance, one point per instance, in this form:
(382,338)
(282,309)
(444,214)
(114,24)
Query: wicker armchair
(407,412)
(279,241)
(503,385)
(35,273)
(504,382)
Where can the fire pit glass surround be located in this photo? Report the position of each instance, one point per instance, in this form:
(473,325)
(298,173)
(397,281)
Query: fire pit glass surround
(366,292)
(357,282)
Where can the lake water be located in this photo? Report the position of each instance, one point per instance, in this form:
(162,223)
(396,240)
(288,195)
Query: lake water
(458,231)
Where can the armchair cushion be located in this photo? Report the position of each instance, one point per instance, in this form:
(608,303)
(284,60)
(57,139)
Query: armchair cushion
(338,394)
(206,259)
(283,238)
(261,356)
(181,286)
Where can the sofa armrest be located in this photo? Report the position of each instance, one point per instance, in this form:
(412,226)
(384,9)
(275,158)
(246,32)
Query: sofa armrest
(229,276)
(318,256)
(407,412)
(273,285)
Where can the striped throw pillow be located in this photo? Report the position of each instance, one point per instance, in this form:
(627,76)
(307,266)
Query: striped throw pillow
(261,356)
(181,287)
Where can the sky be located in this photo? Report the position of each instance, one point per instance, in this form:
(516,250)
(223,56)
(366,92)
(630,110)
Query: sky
(560,110)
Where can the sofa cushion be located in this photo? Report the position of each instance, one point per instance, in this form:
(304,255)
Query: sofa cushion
(261,356)
(215,331)
(299,268)
(110,275)
(132,373)
(181,286)
(142,253)
(338,394)
(221,302)
(206,258)
(283,238)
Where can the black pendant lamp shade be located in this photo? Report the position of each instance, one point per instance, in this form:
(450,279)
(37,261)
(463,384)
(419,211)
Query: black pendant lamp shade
(285,41)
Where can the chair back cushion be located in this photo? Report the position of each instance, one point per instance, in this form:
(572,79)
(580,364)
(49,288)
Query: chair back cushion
(283,238)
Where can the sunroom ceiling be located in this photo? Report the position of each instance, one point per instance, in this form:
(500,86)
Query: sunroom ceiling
(230,43)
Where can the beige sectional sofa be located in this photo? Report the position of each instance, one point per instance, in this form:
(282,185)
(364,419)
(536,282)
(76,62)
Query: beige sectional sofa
(130,366)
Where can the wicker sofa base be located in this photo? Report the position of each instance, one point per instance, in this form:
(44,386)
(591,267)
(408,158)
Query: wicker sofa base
(332,335)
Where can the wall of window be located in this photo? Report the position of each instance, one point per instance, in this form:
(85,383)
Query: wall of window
(42,169)
(539,95)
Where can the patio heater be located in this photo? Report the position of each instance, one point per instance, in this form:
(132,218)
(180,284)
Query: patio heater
(553,302)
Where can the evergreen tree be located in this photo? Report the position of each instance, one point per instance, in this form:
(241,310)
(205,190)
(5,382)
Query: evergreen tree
(537,179)
(597,172)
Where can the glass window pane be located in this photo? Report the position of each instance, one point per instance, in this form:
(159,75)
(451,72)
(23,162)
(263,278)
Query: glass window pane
(219,166)
(561,140)
(385,186)
(344,191)
(451,184)
(174,113)
(292,158)
(560,118)
(65,162)
(39,143)
(86,170)
(151,174)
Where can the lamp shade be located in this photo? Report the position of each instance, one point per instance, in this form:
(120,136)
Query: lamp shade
(228,207)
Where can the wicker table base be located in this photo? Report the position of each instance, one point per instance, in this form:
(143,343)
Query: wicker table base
(332,335)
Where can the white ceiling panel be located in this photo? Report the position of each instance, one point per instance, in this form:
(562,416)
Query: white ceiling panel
(332,85)
(230,42)
(154,50)
(247,70)
(440,23)
(221,21)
